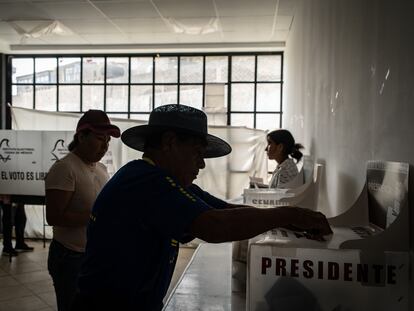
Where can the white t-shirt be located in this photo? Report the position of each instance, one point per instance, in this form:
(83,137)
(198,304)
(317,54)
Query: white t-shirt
(85,181)
(285,175)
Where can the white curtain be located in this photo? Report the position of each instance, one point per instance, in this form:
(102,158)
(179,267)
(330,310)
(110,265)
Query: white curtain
(224,177)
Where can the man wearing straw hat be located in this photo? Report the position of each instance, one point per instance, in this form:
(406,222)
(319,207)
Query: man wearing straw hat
(150,205)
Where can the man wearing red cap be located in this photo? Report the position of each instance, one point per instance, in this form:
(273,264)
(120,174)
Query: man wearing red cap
(72,185)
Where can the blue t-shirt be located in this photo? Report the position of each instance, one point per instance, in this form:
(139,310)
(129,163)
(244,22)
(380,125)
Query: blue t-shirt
(136,223)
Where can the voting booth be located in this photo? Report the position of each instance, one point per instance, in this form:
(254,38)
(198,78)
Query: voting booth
(363,265)
(26,157)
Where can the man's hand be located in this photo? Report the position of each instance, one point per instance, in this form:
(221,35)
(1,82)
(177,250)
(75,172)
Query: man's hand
(314,224)
(244,222)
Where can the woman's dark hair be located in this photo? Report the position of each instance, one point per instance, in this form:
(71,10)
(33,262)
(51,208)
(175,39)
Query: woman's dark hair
(290,147)
(75,140)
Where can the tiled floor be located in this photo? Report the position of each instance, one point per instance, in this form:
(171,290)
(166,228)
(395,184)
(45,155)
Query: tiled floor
(25,284)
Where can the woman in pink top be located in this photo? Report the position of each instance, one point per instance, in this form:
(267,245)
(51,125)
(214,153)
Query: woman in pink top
(72,185)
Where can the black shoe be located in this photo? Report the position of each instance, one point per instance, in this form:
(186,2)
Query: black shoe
(24,248)
(9,252)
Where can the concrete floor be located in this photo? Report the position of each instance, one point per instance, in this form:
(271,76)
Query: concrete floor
(207,282)
(25,283)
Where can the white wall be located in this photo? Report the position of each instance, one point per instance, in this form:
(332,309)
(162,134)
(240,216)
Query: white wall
(349,93)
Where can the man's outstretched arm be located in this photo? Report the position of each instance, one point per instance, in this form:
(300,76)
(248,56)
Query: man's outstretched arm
(240,223)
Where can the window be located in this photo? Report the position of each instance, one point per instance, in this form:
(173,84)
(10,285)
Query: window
(242,89)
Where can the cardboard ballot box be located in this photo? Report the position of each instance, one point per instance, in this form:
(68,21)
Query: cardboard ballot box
(296,279)
(363,265)
(305,195)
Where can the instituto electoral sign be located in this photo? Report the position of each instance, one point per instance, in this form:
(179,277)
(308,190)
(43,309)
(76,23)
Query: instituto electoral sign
(26,156)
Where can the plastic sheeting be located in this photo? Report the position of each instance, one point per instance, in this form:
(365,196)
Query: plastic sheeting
(43,29)
(224,177)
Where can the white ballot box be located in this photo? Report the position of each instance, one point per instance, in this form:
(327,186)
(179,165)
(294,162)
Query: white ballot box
(363,265)
(265,197)
(305,196)
(296,279)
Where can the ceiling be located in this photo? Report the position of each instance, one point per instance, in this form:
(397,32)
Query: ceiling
(114,25)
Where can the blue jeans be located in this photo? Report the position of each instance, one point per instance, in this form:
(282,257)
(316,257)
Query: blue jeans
(64,267)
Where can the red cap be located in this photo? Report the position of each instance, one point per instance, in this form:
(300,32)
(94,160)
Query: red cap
(97,121)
